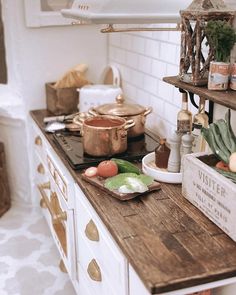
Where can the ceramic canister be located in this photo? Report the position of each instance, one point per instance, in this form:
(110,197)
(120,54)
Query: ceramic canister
(218,76)
(233,77)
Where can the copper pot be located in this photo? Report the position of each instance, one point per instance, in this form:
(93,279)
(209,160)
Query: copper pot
(104,135)
(127,111)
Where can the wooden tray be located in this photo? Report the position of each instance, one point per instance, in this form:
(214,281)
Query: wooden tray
(99,182)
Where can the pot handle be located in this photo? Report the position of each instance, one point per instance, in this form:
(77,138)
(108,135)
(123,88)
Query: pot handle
(147,111)
(93,112)
(78,120)
(129,124)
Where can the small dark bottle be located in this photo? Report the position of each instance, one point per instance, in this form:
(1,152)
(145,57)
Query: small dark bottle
(162,153)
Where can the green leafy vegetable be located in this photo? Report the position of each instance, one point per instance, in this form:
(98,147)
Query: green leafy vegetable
(115,182)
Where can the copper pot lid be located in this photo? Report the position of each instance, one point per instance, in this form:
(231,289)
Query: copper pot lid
(120,108)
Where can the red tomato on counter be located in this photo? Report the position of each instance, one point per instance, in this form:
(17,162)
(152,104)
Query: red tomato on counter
(107,168)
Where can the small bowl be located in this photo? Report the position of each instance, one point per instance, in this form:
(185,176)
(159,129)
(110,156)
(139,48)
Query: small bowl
(149,167)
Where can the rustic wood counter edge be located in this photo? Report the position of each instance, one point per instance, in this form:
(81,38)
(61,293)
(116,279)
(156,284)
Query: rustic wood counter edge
(170,243)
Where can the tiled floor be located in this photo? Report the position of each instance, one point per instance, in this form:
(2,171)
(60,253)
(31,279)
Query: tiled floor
(28,257)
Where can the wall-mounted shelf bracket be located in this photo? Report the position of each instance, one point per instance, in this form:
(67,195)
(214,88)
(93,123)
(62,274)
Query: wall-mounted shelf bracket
(193,102)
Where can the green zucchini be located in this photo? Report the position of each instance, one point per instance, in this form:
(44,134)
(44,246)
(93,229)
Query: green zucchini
(219,141)
(208,134)
(230,131)
(125,166)
(223,128)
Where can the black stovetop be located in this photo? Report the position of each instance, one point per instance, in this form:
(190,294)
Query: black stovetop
(71,144)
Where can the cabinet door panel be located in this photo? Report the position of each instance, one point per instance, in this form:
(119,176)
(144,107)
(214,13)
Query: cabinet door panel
(94,236)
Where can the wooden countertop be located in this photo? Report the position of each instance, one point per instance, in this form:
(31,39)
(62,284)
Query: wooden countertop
(170,243)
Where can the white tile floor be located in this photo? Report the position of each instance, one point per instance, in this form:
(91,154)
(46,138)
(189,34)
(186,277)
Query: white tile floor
(28,257)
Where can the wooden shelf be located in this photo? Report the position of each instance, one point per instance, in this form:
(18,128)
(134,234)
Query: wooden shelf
(225,98)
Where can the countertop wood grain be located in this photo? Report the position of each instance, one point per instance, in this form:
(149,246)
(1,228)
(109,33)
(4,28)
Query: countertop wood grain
(170,243)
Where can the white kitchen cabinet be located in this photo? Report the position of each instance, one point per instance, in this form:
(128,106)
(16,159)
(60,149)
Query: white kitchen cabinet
(91,257)
(54,189)
(98,256)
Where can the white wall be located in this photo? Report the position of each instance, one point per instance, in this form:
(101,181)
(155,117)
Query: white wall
(36,56)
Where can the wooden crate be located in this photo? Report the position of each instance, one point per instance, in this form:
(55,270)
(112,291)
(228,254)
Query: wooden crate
(209,191)
(62,101)
(5,201)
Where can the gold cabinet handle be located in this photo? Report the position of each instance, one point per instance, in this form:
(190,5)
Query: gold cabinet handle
(41,169)
(62,266)
(53,207)
(38,141)
(44,186)
(91,231)
(94,271)
(42,204)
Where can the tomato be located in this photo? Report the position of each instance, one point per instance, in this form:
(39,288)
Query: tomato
(107,168)
(223,166)
(91,171)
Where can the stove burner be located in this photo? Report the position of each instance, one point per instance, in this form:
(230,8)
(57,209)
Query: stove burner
(71,144)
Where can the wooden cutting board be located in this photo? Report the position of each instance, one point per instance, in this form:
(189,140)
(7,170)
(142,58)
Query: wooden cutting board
(99,182)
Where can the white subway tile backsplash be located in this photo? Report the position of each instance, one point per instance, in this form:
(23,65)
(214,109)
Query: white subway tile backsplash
(111,53)
(158,125)
(170,113)
(168,52)
(160,35)
(143,98)
(119,55)
(145,64)
(174,37)
(147,34)
(126,41)
(165,91)
(172,70)
(114,39)
(138,44)
(158,68)
(177,97)
(130,91)
(152,48)
(137,78)
(157,105)
(177,53)
(143,60)
(132,59)
(125,73)
(150,84)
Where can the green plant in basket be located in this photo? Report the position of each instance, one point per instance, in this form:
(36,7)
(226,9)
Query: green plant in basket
(222,141)
(221,37)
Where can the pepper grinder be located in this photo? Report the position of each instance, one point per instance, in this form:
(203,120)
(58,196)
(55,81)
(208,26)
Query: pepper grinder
(174,158)
(187,144)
